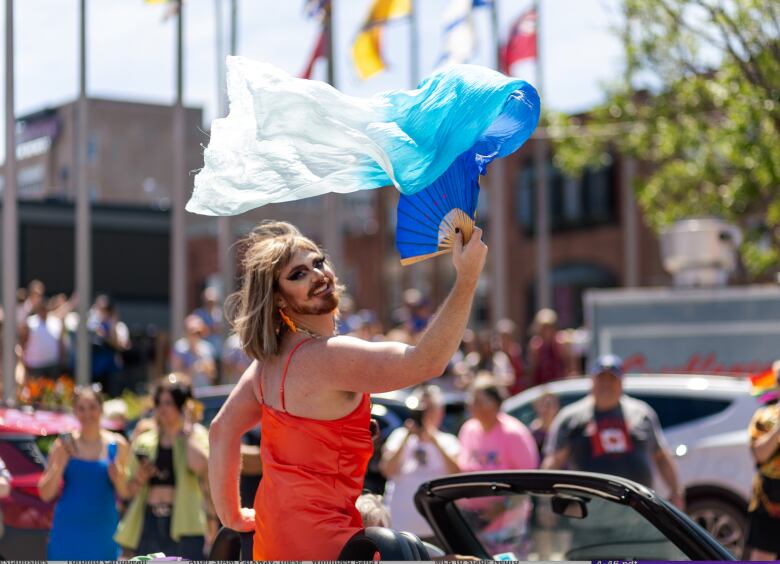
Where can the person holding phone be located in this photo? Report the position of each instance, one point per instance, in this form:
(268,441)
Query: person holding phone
(763,542)
(167,512)
(414,454)
(88,467)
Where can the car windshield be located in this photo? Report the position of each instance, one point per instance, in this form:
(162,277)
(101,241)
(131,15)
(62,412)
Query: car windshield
(569,525)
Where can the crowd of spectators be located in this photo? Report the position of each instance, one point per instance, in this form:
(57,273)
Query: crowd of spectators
(158,471)
(209,353)
(168,445)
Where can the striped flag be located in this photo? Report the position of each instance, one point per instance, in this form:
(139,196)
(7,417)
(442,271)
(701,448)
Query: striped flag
(521,44)
(173,8)
(316,54)
(763,382)
(460,40)
(366,50)
(316,10)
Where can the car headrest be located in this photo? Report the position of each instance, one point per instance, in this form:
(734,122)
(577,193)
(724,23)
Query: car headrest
(231,545)
(389,543)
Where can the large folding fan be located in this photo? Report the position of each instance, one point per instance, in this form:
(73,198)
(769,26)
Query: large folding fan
(428,220)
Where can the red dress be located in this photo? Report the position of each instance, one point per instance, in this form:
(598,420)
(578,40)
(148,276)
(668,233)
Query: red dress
(313,472)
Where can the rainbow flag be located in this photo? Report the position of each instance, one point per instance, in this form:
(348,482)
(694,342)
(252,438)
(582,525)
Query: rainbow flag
(764,385)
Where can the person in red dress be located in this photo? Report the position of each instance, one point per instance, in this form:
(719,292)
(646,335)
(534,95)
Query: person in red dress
(311,390)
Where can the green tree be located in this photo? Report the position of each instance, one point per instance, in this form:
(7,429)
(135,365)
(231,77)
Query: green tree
(699,105)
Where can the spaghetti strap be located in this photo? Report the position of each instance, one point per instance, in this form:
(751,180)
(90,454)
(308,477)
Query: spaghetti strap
(262,396)
(286,366)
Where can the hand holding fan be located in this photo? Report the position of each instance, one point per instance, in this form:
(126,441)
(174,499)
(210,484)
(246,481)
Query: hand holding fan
(427,220)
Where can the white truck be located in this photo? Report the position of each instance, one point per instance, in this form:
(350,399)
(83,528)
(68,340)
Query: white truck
(726,330)
(699,326)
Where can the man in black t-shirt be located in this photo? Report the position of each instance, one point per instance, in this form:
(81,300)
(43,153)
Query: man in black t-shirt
(611,433)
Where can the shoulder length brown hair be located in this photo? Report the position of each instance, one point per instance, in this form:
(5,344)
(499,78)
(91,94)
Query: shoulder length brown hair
(252,309)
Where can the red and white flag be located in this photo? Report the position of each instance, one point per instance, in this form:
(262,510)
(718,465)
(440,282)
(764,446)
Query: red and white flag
(316,10)
(521,44)
(319,51)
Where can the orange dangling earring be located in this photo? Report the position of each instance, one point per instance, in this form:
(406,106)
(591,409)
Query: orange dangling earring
(287,321)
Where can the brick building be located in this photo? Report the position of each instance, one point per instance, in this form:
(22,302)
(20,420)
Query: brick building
(588,223)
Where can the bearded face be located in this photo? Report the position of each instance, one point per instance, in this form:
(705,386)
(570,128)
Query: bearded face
(308,285)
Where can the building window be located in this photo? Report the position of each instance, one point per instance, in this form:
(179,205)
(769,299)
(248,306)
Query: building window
(574,203)
(525,203)
(30,182)
(572,200)
(597,187)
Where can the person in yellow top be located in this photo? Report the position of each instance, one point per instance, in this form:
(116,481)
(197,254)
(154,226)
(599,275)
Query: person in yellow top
(167,513)
(764,510)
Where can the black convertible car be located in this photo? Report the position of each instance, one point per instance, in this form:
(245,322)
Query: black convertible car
(530,515)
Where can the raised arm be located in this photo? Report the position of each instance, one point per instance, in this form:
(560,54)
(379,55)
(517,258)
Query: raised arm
(117,469)
(50,480)
(240,413)
(390,463)
(360,366)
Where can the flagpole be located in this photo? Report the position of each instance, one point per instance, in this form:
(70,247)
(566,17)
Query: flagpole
(414,45)
(332,233)
(178,290)
(498,201)
(219,46)
(328,26)
(627,173)
(10,217)
(542,223)
(233,27)
(224,224)
(83,280)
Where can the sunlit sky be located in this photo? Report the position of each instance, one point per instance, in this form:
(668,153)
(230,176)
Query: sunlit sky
(131,50)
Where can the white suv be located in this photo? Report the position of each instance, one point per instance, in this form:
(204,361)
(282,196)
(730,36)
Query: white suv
(705,421)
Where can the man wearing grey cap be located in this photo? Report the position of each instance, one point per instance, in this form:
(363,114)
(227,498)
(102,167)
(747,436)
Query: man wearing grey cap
(611,433)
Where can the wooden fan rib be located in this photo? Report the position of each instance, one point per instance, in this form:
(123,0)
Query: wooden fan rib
(456,218)
(420,258)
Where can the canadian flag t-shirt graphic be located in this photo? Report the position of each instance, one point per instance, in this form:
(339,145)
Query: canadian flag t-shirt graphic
(610,436)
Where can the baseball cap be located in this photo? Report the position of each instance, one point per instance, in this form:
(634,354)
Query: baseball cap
(607,363)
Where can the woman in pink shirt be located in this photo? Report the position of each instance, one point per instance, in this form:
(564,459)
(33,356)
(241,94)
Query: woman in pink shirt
(492,440)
